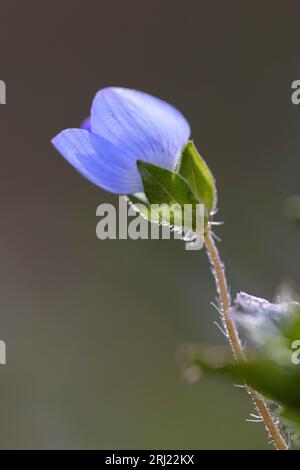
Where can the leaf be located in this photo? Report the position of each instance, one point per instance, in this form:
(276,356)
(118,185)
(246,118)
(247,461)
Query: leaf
(164,187)
(291,419)
(281,384)
(275,382)
(199,177)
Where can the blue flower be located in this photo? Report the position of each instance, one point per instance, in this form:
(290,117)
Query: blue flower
(125,126)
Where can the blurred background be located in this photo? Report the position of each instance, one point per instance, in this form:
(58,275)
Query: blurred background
(92,327)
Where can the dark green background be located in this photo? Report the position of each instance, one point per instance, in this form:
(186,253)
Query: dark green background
(93,328)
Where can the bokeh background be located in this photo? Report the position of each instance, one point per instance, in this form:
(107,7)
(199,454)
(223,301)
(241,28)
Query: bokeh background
(93,327)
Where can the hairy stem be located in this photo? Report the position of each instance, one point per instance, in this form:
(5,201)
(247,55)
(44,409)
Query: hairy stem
(236,346)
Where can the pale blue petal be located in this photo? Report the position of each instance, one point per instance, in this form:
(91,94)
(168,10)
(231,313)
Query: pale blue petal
(86,124)
(100,161)
(148,128)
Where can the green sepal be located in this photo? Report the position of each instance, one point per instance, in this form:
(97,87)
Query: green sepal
(162,186)
(195,171)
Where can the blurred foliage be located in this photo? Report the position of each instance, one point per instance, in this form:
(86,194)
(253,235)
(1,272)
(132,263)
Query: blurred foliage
(171,191)
(273,365)
(292,208)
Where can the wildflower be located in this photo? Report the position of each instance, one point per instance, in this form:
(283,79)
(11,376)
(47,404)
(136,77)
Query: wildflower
(124,126)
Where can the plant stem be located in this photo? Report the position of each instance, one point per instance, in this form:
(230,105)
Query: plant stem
(236,346)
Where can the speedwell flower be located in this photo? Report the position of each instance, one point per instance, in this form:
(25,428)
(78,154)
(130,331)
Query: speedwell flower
(124,126)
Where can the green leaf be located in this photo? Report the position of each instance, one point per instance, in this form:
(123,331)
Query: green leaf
(291,419)
(199,177)
(281,384)
(276,382)
(164,187)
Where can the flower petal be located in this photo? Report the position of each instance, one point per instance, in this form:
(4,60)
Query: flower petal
(86,124)
(150,129)
(100,161)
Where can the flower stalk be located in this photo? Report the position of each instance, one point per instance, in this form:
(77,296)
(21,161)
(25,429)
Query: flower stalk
(233,337)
